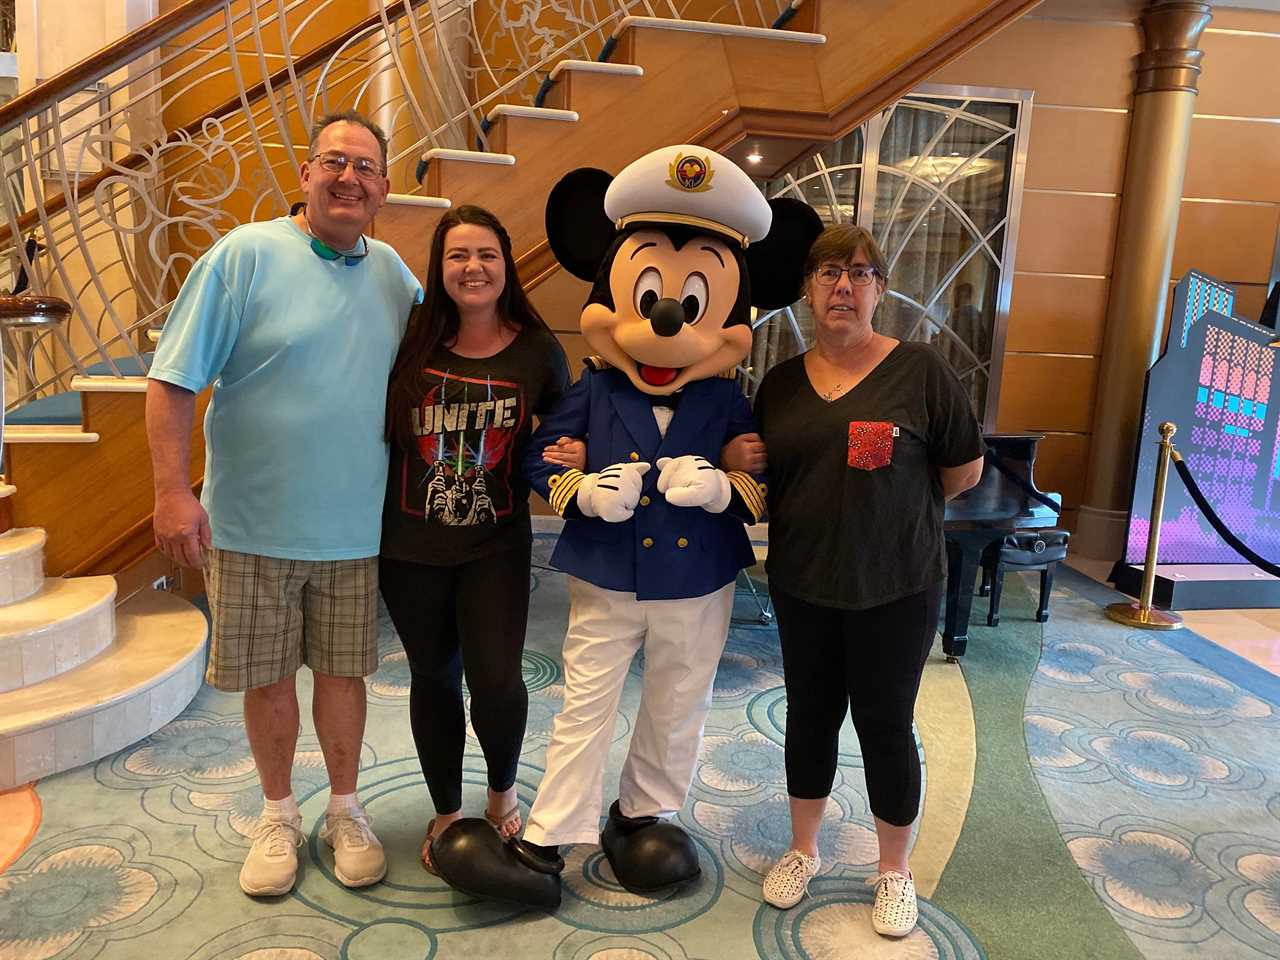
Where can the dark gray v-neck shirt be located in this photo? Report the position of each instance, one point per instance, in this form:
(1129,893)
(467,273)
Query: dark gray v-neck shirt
(855,497)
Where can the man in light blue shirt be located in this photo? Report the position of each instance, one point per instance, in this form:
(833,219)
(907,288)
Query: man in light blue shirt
(296,323)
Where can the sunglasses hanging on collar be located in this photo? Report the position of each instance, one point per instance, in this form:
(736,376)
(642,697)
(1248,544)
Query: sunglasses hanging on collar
(326,252)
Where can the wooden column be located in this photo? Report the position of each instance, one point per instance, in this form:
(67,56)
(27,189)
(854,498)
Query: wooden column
(1164,100)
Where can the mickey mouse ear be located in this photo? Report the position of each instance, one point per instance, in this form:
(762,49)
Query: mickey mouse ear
(578,230)
(776,263)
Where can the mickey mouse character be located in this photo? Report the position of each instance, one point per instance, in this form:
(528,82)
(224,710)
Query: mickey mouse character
(680,246)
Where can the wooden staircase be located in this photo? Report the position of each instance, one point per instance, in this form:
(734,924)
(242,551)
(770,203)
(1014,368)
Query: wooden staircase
(835,63)
(90,486)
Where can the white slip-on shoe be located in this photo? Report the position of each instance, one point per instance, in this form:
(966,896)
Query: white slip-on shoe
(895,911)
(358,857)
(272,864)
(789,878)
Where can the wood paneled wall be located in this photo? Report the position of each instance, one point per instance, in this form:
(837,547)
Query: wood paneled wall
(1077,55)
(1231,197)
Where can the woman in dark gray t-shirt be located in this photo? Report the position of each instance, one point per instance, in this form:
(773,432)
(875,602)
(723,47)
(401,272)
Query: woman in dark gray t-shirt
(476,365)
(867,437)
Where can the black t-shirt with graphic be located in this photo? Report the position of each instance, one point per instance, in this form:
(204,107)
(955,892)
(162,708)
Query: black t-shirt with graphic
(855,497)
(460,495)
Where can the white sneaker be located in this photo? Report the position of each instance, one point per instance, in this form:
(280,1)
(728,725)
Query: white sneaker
(895,910)
(358,857)
(272,864)
(789,879)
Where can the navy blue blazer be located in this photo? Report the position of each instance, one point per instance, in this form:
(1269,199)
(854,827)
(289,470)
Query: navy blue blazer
(663,552)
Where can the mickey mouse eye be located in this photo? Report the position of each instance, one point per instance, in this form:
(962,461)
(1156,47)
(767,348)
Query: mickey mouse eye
(694,297)
(648,291)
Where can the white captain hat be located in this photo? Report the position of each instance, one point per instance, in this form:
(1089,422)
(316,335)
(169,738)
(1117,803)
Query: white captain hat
(693,186)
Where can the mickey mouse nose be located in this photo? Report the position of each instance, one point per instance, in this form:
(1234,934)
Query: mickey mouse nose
(667,317)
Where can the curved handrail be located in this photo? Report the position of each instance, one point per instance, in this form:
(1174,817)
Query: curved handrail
(84,72)
(121,212)
(108,60)
(120,232)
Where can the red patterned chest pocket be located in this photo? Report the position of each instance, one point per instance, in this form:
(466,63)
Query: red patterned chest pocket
(871,443)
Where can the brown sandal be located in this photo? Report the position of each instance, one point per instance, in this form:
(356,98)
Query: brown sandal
(425,854)
(509,818)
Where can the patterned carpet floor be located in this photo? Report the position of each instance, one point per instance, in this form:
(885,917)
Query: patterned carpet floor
(1091,791)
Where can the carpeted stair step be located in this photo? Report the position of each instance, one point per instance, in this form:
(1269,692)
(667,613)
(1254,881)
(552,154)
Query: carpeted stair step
(64,408)
(66,623)
(143,680)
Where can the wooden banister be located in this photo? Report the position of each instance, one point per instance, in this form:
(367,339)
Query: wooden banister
(107,60)
(132,161)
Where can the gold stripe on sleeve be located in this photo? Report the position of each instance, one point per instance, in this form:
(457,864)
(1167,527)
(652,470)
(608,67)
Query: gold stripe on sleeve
(749,491)
(565,488)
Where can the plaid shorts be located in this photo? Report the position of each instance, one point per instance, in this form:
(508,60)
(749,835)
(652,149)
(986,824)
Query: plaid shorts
(270,616)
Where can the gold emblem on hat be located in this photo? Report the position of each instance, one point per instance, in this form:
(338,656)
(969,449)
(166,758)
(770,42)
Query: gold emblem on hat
(690,173)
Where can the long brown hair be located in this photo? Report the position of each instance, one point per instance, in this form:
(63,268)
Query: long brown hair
(435,321)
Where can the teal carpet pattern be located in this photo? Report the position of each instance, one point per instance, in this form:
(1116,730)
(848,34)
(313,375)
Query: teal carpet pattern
(1164,778)
(138,855)
(1161,777)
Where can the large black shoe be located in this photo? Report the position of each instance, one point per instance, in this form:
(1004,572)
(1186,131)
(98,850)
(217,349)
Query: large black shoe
(648,854)
(472,858)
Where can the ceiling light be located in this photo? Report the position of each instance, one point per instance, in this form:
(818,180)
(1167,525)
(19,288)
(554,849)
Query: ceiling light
(754,157)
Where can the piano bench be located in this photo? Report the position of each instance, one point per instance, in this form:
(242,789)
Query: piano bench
(1027,550)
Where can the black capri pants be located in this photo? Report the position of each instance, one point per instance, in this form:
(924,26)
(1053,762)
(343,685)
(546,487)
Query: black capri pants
(469,618)
(867,661)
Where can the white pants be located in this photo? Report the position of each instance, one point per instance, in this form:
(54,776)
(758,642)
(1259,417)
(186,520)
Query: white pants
(682,640)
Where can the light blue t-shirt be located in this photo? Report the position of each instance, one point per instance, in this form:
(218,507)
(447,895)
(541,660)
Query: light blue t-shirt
(300,349)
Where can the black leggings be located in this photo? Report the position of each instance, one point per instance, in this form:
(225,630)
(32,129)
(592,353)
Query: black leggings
(470,619)
(870,662)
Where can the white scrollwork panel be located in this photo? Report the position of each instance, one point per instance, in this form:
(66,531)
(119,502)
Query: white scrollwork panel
(142,184)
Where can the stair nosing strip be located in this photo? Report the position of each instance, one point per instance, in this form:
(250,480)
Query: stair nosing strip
(532,113)
(469,156)
(719,29)
(43,433)
(122,384)
(419,200)
(597,66)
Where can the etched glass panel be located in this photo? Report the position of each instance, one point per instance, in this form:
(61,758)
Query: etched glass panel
(940,170)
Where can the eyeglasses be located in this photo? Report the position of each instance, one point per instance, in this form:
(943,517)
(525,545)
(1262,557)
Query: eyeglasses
(335,163)
(828,275)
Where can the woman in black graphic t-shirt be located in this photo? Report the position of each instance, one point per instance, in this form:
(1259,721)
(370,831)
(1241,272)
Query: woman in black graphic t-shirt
(866,438)
(476,364)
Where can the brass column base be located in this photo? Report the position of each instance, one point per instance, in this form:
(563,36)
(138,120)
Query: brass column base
(1132,615)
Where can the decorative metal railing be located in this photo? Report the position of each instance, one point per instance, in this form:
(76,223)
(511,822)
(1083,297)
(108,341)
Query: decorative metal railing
(118,174)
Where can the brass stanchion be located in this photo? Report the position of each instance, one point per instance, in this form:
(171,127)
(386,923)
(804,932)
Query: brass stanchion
(1142,614)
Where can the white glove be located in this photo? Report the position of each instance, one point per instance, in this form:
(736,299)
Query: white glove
(612,494)
(691,481)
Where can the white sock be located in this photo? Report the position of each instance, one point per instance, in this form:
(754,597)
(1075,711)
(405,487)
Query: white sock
(286,809)
(344,803)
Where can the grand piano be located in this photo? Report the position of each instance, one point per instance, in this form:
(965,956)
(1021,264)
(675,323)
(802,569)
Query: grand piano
(1004,500)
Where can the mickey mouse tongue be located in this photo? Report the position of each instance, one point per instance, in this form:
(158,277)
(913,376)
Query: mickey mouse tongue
(657,376)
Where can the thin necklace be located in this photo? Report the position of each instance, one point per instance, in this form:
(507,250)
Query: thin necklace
(830,396)
(833,394)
